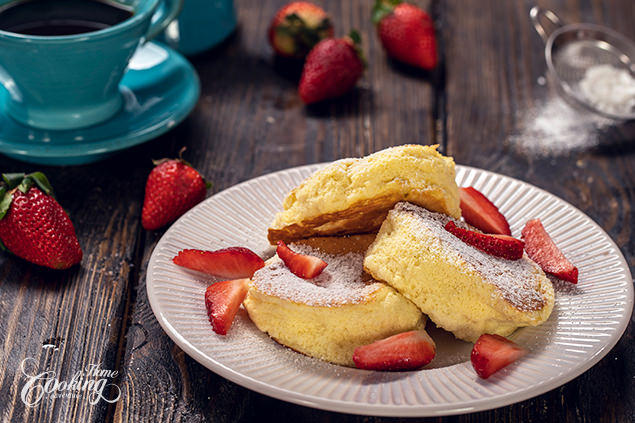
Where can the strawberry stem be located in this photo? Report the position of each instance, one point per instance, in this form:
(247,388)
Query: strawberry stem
(305,37)
(383,8)
(356,40)
(181,151)
(5,201)
(12,179)
(42,182)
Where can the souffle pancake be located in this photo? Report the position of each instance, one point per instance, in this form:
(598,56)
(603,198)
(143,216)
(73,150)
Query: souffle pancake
(353,196)
(461,288)
(330,315)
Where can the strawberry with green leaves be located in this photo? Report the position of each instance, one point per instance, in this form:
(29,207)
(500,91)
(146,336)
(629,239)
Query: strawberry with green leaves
(406,32)
(173,187)
(332,68)
(33,225)
(297,28)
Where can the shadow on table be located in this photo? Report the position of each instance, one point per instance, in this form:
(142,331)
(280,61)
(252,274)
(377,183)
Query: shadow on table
(618,139)
(346,105)
(434,76)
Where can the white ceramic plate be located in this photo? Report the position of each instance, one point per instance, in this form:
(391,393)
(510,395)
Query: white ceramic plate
(587,321)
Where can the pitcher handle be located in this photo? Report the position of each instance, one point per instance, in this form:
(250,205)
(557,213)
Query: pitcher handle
(167,11)
(536,13)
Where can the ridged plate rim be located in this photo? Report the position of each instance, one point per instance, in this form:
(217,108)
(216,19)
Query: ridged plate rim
(162,274)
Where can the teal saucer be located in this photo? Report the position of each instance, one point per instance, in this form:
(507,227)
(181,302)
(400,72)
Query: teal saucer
(159,90)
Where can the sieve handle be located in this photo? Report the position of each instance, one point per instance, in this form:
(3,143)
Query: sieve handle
(536,13)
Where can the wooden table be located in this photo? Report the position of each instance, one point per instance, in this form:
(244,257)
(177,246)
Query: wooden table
(483,106)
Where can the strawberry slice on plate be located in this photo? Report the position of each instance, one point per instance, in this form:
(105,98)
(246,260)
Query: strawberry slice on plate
(541,249)
(230,263)
(301,265)
(493,352)
(481,213)
(404,351)
(496,245)
(222,301)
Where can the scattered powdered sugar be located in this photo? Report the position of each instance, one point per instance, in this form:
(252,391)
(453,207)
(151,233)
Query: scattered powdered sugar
(556,128)
(516,280)
(609,89)
(339,283)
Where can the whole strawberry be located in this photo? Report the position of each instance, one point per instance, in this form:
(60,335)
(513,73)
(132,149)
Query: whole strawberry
(33,225)
(406,32)
(331,69)
(297,28)
(173,187)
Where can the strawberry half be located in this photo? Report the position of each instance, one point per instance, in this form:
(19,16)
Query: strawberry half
(481,213)
(297,27)
(541,249)
(496,245)
(301,265)
(404,351)
(406,32)
(232,262)
(222,301)
(493,352)
(331,69)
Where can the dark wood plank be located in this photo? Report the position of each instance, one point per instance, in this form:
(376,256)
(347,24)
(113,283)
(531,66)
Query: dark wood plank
(79,310)
(249,121)
(500,117)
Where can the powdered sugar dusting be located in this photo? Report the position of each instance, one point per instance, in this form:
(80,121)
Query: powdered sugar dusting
(609,89)
(556,128)
(516,280)
(340,283)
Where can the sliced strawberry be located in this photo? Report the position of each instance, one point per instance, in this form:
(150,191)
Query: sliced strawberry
(233,262)
(493,352)
(306,267)
(479,212)
(404,351)
(222,301)
(541,249)
(496,245)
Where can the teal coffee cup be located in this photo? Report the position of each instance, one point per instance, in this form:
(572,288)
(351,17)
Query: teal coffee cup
(61,61)
(201,25)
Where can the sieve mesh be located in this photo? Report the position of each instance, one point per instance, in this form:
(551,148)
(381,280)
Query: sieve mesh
(571,50)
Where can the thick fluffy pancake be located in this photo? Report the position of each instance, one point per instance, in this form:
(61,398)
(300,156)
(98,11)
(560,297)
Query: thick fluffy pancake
(327,317)
(460,288)
(354,195)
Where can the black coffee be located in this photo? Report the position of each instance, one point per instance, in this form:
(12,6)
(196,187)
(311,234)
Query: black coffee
(61,17)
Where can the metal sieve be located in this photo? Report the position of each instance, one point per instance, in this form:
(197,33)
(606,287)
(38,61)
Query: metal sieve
(572,49)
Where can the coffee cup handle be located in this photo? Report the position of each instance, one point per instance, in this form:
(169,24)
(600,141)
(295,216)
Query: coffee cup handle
(168,11)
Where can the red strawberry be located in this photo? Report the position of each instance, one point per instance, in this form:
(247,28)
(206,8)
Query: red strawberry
(32,223)
(541,249)
(303,266)
(404,351)
(331,69)
(493,352)
(495,245)
(297,28)
(173,187)
(406,32)
(222,301)
(232,263)
(478,211)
